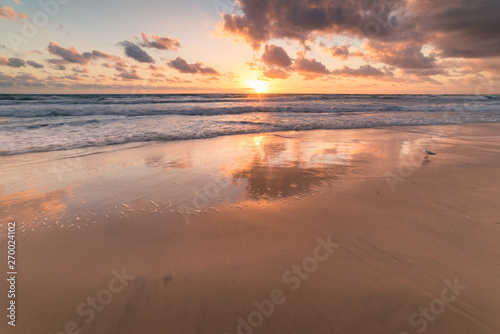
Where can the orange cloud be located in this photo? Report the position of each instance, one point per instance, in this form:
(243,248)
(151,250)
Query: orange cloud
(10,14)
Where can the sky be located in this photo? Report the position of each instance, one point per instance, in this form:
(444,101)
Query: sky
(269,46)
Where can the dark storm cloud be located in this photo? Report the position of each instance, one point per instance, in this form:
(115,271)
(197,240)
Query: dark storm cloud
(276,55)
(183,66)
(134,51)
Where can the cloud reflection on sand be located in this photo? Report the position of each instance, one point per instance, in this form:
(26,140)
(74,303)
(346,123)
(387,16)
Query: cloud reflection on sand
(283,167)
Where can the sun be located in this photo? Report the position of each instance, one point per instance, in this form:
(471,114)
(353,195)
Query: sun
(258,85)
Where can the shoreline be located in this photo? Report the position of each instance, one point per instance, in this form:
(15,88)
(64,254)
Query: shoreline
(246,210)
(127,145)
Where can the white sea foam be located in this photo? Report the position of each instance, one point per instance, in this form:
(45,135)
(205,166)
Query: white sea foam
(35,123)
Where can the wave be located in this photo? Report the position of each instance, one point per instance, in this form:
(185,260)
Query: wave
(190,109)
(213,98)
(38,123)
(59,136)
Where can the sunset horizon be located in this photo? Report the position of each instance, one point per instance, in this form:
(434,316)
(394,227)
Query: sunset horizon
(386,48)
(250,166)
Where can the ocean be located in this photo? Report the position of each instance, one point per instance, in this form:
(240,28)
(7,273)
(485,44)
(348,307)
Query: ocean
(38,123)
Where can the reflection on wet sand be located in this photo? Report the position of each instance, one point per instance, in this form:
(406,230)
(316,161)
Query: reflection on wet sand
(164,163)
(279,167)
(33,207)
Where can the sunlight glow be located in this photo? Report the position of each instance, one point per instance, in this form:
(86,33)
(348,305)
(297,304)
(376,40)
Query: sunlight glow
(258,140)
(258,85)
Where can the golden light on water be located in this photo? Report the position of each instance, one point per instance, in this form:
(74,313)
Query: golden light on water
(258,140)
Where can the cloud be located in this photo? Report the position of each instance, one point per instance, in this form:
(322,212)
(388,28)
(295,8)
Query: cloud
(129,75)
(263,20)
(78,69)
(72,55)
(98,54)
(341,51)
(20,80)
(72,81)
(356,54)
(118,66)
(58,64)
(362,71)
(406,56)
(275,73)
(34,64)
(244,27)
(57,61)
(460,28)
(74,77)
(156,68)
(160,43)
(183,66)
(25,76)
(310,66)
(398,29)
(13,62)
(157,75)
(276,55)
(134,51)
(477,65)
(18,62)
(10,14)
(177,80)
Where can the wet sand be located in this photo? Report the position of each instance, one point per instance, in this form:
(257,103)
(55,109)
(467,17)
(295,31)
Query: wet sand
(344,231)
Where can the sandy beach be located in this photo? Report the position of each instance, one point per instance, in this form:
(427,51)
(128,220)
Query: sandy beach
(325,231)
